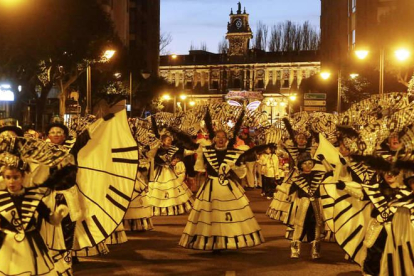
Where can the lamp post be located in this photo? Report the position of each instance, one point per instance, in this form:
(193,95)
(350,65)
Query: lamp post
(183,97)
(271,103)
(108,54)
(401,54)
(292,98)
(327,75)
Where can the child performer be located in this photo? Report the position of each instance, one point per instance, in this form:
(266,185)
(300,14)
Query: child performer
(22,249)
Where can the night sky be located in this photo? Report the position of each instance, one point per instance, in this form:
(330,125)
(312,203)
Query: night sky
(196,21)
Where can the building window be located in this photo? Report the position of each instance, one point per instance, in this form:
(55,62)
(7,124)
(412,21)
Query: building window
(236,83)
(214,85)
(189,85)
(260,84)
(285,84)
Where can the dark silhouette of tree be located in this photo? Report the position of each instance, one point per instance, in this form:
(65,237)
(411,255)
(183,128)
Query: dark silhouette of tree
(165,40)
(397,27)
(47,42)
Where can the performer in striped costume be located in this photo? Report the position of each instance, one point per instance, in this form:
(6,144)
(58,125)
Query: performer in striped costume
(221,217)
(167,193)
(22,249)
(308,219)
(390,236)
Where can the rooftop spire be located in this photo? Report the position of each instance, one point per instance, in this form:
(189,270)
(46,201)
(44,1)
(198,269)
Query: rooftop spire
(239,8)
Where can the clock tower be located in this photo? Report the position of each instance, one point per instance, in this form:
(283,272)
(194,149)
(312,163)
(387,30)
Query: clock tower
(239,33)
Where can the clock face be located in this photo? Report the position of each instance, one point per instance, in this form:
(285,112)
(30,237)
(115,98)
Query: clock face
(239,23)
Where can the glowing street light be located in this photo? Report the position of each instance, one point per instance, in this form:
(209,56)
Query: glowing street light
(10,3)
(183,97)
(325,75)
(166,97)
(192,103)
(402,54)
(361,54)
(292,97)
(108,54)
(105,58)
(354,75)
(173,56)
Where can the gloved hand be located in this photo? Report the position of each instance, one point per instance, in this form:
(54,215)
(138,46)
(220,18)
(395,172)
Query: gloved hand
(62,210)
(57,216)
(320,157)
(340,185)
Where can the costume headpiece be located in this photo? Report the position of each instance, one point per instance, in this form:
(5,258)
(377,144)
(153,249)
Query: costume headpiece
(57,121)
(10,124)
(302,157)
(11,160)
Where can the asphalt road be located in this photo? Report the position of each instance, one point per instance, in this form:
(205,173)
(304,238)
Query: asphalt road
(157,252)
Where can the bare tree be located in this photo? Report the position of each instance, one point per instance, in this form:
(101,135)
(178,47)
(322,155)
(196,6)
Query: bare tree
(223,46)
(192,47)
(260,38)
(288,36)
(203,46)
(165,40)
(297,37)
(275,43)
(306,36)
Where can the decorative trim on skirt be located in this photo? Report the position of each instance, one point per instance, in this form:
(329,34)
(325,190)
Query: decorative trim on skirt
(142,224)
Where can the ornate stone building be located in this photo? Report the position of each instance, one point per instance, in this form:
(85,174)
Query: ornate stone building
(204,75)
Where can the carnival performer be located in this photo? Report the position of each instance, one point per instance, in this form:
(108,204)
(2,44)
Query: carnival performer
(60,239)
(167,193)
(390,237)
(139,213)
(269,168)
(221,217)
(282,207)
(22,249)
(308,219)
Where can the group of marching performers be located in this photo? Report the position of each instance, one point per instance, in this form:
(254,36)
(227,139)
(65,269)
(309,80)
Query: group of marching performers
(349,180)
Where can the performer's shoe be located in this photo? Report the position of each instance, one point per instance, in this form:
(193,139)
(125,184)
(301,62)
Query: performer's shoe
(294,249)
(316,250)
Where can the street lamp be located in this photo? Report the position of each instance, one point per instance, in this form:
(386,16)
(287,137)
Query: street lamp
(271,103)
(292,98)
(401,54)
(107,55)
(327,75)
(145,75)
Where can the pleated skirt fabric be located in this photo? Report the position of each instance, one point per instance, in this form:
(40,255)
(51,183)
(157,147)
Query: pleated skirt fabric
(221,219)
(139,214)
(27,257)
(168,195)
(279,207)
(398,256)
(118,236)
